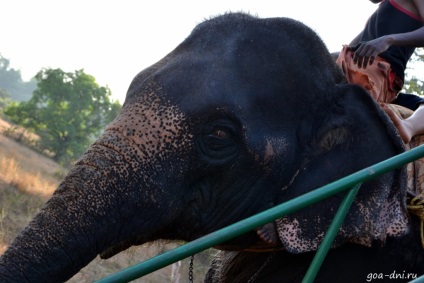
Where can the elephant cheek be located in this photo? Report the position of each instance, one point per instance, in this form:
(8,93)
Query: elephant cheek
(154,140)
(158,130)
(279,159)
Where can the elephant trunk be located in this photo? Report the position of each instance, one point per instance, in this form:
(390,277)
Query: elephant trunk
(46,250)
(80,221)
(110,199)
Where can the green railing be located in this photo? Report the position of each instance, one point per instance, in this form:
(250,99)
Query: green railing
(351,182)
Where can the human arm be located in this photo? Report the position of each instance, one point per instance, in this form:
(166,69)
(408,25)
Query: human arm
(367,51)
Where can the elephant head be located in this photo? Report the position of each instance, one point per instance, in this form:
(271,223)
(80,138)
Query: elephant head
(244,114)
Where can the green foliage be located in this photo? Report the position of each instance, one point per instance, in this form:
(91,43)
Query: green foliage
(414,86)
(11,81)
(4,98)
(414,83)
(67,111)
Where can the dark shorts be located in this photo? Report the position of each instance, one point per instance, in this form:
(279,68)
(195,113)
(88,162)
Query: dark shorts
(407,100)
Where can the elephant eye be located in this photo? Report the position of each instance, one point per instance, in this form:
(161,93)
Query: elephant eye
(219,142)
(220,133)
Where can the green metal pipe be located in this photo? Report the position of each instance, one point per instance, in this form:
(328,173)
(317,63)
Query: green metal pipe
(262,218)
(418,280)
(332,231)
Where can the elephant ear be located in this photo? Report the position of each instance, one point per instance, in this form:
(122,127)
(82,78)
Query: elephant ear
(356,136)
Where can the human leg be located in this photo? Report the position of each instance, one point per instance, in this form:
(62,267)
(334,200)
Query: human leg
(410,127)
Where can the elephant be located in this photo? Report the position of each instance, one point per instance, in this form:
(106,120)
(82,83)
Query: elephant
(244,114)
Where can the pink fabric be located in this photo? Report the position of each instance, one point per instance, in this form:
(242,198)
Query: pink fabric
(378,79)
(397,6)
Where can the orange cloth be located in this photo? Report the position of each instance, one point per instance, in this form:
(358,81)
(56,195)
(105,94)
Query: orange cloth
(378,79)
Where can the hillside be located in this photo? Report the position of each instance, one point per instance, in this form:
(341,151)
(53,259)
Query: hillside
(27,180)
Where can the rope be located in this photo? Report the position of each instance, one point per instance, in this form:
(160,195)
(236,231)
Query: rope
(416,207)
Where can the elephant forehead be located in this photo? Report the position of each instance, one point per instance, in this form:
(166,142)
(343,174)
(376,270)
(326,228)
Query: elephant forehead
(154,125)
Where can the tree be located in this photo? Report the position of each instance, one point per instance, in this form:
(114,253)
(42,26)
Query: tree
(413,83)
(67,111)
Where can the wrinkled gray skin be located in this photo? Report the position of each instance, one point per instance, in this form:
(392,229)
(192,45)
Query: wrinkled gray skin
(244,114)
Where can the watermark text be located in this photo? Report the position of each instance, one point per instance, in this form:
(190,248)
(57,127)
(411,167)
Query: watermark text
(394,275)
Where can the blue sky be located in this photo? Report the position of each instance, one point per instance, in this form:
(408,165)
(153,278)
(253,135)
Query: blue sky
(114,40)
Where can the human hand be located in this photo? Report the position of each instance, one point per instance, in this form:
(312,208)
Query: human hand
(365,52)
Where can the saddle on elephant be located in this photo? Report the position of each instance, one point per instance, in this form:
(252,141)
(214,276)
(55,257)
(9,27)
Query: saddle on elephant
(415,173)
(415,169)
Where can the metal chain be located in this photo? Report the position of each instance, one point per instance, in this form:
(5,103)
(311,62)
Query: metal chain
(255,276)
(190,270)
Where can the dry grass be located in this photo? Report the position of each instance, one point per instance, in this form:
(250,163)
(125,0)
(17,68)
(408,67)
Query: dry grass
(27,180)
(24,181)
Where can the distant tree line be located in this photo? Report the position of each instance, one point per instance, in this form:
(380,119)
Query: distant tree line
(12,86)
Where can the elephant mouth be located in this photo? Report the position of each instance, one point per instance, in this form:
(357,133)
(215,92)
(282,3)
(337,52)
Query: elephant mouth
(262,247)
(121,246)
(268,233)
(270,240)
(267,240)
(113,250)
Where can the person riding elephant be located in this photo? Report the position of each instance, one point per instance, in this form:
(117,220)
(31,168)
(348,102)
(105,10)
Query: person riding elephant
(244,114)
(377,58)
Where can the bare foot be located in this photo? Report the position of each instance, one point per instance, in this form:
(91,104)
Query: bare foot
(399,123)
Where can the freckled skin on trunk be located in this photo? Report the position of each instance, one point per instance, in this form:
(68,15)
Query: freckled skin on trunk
(97,208)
